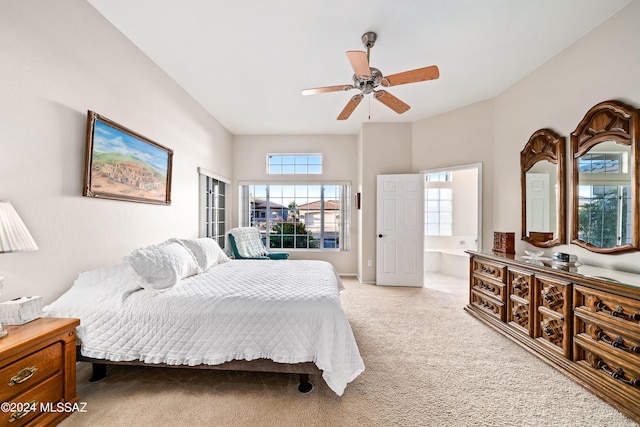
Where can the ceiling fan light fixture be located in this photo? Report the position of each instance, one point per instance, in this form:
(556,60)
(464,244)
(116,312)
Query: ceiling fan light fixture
(366,79)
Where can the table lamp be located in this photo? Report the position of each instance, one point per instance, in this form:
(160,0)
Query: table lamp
(14,237)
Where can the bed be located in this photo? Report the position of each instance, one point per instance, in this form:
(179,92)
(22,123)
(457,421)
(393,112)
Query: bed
(159,308)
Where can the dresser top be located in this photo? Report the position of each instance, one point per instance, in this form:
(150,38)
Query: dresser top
(584,272)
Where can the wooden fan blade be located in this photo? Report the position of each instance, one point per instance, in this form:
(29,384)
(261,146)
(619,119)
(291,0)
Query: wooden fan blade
(413,76)
(315,90)
(351,105)
(391,101)
(359,63)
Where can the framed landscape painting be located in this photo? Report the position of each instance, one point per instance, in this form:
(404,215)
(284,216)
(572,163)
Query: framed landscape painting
(123,165)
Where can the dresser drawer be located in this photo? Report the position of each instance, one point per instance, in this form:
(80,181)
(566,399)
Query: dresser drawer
(29,371)
(597,358)
(25,407)
(491,287)
(621,342)
(519,314)
(613,309)
(489,305)
(553,320)
(490,269)
(521,284)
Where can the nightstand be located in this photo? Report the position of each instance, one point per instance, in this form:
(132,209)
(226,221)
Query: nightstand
(38,372)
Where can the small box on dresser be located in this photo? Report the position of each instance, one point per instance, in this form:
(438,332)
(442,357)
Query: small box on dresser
(38,371)
(504,242)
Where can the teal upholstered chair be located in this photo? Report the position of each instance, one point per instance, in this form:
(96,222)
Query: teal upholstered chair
(246,243)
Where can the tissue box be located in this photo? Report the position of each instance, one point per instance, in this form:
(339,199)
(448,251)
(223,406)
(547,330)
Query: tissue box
(20,310)
(559,256)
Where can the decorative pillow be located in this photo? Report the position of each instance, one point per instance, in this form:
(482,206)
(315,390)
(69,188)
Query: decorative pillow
(206,251)
(162,266)
(248,242)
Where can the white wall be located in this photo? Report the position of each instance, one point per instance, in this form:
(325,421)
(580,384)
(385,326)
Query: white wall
(602,65)
(385,149)
(460,137)
(339,165)
(60,59)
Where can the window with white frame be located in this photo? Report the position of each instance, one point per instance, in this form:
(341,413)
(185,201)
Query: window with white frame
(298,216)
(294,164)
(213,195)
(439,211)
(440,177)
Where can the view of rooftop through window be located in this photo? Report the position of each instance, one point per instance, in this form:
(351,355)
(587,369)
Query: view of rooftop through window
(297,216)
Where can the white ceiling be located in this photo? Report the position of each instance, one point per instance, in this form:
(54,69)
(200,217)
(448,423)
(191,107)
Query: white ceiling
(246,62)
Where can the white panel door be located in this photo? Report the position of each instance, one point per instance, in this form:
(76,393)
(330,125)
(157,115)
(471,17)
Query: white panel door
(400,230)
(538,202)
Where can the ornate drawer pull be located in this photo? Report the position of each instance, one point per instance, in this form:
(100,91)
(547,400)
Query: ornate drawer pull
(23,375)
(490,270)
(618,374)
(553,297)
(27,409)
(617,343)
(617,312)
(489,288)
(552,329)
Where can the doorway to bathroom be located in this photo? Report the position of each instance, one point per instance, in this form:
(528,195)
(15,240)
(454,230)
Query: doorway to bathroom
(453,218)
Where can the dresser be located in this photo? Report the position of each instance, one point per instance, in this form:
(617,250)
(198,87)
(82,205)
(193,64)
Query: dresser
(38,372)
(585,323)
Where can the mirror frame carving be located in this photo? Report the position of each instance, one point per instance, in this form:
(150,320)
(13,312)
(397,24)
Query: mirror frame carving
(544,144)
(606,121)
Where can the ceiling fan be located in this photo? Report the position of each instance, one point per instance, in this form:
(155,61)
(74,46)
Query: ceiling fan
(366,79)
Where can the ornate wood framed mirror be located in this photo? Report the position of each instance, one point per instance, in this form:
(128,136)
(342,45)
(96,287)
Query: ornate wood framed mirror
(542,181)
(604,162)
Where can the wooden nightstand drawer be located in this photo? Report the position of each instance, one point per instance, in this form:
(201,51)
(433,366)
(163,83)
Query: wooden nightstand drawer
(49,346)
(26,407)
(31,370)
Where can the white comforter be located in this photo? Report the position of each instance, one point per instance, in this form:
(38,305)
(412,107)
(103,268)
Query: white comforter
(286,311)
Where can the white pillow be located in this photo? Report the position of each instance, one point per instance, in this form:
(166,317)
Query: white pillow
(206,251)
(162,266)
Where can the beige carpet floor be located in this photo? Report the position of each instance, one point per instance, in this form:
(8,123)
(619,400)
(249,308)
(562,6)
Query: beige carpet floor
(428,363)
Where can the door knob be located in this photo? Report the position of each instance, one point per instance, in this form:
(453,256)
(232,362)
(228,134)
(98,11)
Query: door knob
(380,235)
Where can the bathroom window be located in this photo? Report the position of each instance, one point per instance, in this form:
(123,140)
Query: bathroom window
(439,212)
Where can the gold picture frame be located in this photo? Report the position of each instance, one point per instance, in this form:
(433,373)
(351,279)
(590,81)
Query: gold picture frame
(121,164)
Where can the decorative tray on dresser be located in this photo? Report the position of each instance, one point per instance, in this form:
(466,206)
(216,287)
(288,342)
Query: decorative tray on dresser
(586,323)
(38,372)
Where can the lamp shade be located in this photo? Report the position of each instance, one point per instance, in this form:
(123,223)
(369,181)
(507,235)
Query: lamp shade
(14,236)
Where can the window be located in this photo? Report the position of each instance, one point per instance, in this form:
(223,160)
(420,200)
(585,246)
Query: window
(290,216)
(439,212)
(213,207)
(439,177)
(603,163)
(605,218)
(604,199)
(300,164)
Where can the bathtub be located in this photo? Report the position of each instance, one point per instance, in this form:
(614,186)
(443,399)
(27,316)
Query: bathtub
(453,262)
